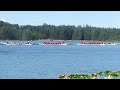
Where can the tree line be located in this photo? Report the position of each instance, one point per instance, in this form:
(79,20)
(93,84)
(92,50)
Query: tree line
(62,32)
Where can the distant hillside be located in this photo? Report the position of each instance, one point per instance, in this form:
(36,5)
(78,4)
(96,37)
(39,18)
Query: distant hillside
(62,32)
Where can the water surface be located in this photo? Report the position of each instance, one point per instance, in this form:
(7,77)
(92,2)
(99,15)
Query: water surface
(44,62)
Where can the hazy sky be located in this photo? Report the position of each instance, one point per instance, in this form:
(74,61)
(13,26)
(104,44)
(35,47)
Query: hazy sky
(94,18)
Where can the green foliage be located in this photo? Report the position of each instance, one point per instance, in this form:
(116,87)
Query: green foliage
(61,32)
(78,76)
(109,74)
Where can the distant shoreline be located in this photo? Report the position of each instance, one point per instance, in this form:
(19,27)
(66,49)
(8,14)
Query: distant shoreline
(58,40)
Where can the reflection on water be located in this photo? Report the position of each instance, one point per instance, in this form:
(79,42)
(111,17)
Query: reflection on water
(4,52)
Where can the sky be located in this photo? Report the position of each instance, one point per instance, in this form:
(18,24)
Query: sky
(93,18)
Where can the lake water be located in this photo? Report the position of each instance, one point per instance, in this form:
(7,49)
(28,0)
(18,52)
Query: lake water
(47,62)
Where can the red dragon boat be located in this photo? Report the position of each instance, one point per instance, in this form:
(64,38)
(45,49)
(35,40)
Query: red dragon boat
(54,43)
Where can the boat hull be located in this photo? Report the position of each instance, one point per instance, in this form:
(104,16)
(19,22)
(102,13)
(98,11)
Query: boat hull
(18,44)
(91,44)
(54,44)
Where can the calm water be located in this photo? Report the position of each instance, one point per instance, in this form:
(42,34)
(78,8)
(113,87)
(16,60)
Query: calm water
(44,62)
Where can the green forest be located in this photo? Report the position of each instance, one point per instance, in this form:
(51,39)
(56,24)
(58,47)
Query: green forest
(62,32)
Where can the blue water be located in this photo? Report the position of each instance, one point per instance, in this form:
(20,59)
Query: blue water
(47,62)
